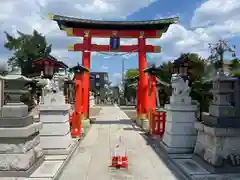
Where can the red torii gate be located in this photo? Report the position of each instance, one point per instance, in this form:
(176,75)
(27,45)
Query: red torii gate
(115,30)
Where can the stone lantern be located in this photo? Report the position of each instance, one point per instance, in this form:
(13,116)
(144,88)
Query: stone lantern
(221,111)
(20,150)
(15,85)
(182,66)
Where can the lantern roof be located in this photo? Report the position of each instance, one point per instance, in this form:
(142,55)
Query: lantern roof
(71,22)
(152,70)
(51,60)
(79,68)
(92,77)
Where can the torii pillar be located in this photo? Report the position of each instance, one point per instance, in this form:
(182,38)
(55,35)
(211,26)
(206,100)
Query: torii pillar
(86,59)
(76,120)
(143,82)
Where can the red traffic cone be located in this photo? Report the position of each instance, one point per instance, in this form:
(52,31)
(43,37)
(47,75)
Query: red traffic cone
(119,157)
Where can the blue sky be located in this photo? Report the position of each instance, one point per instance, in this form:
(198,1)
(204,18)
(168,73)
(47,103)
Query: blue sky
(201,22)
(159,9)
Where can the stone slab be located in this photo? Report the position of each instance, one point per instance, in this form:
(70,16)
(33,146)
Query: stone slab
(21,132)
(54,107)
(56,142)
(191,167)
(217,177)
(221,170)
(22,173)
(49,129)
(55,157)
(180,128)
(60,151)
(221,122)
(175,150)
(16,122)
(180,156)
(13,110)
(179,141)
(48,169)
(21,178)
(180,108)
(18,145)
(54,117)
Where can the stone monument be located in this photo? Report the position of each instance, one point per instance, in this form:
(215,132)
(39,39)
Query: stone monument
(180,134)
(54,114)
(20,150)
(218,137)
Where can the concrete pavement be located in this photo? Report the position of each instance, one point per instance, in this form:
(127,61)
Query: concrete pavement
(92,158)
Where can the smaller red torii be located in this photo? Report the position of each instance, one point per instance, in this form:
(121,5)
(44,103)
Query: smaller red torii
(76,116)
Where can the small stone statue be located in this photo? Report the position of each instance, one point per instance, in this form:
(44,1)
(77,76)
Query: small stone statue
(180,87)
(181,91)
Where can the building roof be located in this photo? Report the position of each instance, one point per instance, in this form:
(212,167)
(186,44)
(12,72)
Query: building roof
(50,59)
(71,22)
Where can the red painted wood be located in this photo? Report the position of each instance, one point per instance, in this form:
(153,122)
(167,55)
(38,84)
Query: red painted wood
(120,33)
(158,121)
(106,48)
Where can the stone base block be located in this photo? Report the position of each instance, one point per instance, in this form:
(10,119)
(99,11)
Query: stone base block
(14,110)
(27,173)
(49,129)
(19,145)
(61,151)
(56,142)
(9,122)
(175,150)
(145,124)
(21,132)
(86,123)
(138,122)
(179,141)
(21,162)
(218,147)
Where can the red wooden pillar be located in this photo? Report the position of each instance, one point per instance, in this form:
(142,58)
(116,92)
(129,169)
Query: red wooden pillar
(153,93)
(143,77)
(86,58)
(138,99)
(76,116)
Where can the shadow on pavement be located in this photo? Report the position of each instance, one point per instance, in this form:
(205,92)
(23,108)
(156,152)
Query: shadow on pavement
(155,145)
(162,154)
(130,107)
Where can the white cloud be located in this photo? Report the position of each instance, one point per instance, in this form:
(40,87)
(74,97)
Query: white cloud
(213,20)
(25,15)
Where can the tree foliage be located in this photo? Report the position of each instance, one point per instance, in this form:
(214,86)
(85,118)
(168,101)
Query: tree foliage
(26,48)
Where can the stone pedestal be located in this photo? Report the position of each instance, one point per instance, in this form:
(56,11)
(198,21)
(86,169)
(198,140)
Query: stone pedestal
(219,147)
(55,134)
(20,150)
(91,101)
(180,134)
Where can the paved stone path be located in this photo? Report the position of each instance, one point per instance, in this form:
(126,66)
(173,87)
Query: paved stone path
(92,159)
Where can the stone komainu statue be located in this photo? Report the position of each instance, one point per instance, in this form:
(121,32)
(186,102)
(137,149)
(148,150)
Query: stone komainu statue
(180,87)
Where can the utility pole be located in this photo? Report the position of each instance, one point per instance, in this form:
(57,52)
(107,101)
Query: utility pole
(123,73)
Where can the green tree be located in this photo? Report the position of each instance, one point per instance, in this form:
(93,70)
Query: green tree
(131,73)
(235,67)
(26,48)
(130,91)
